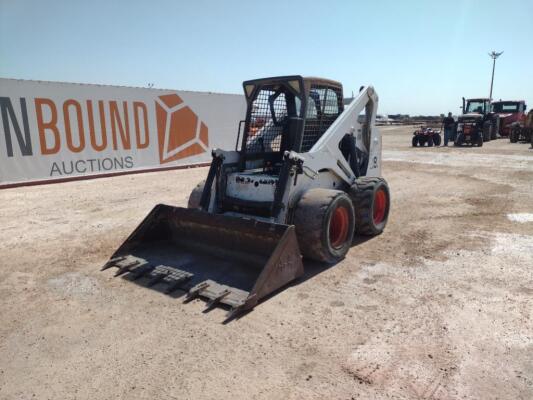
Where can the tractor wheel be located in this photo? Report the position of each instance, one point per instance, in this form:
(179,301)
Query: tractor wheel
(430,141)
(325,223)
(528,134)
(414,142)
(459,140)
(493,133)
(513,135)
(436,139)
(479,140)
(487,127)
(421,141)
(371,199)
(196,195)
(495,127)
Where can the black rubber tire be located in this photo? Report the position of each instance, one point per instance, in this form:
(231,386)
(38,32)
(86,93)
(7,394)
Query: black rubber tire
(459,140)
(436,139)
(421,141)
(513,135)
(430,141)
(312,219)
(414,142)
(479,141)
(493,134)
(487,127)
(363,193)
(494,129)
(196,195)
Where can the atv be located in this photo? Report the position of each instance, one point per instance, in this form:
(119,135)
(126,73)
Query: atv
(426,135)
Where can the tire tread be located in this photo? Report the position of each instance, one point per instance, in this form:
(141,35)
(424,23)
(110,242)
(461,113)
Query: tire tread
(362,194)
(310,221)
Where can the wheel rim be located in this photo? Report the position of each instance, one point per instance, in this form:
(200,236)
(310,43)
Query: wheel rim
(380,206)
(338,227)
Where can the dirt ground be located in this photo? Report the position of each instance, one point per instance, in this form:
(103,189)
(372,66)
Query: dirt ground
(440,306)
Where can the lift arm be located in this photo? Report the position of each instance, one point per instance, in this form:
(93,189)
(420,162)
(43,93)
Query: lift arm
(326,154)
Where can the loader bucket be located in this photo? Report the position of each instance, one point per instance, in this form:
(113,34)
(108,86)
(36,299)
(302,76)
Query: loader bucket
(229,260)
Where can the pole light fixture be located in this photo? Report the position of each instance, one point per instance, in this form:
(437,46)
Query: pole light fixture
(494,55)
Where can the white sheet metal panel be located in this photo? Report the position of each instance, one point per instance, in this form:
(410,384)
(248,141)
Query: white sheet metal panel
(51,130)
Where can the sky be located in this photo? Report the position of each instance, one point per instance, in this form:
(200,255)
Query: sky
(421,56)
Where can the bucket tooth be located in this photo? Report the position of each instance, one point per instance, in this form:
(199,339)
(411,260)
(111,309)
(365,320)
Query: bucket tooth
(195,291)
(126,268)
(218,298)
(112,262)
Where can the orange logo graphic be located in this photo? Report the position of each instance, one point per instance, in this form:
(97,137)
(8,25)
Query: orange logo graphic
(180,132)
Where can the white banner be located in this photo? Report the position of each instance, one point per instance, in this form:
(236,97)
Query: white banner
(52,131)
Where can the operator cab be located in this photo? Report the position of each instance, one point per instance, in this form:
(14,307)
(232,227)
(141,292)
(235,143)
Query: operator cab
(288,113)
(476,106)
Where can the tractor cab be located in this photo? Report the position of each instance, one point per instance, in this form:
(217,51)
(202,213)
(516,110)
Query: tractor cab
(476,106)
(475,111)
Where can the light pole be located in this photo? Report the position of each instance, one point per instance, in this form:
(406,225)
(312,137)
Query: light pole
(494,55)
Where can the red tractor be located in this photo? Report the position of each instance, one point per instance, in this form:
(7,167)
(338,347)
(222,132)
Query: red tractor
(509,112)
(426,135)
(476,125)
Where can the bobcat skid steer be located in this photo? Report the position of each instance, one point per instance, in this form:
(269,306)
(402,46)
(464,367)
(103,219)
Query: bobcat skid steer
(303,179)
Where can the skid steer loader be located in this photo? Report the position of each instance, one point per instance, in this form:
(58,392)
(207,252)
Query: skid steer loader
(302,180)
